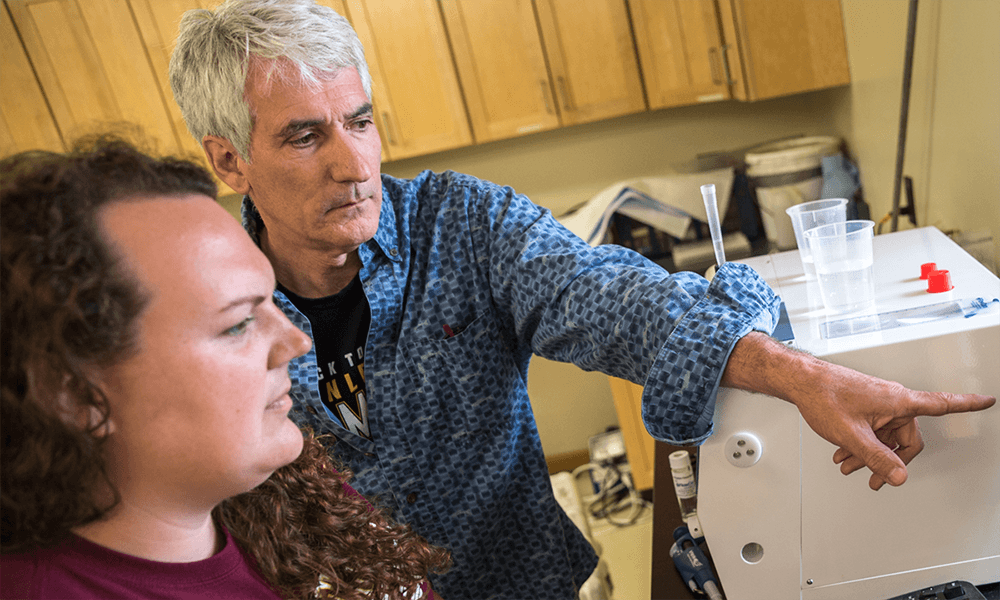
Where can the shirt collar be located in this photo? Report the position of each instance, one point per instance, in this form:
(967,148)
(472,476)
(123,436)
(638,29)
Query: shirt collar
(387,237)
(251,219)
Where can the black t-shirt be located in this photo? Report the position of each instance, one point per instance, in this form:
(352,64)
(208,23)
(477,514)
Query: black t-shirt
(340,328)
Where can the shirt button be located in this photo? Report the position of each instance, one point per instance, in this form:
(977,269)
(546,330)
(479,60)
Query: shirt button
(411,498)
(370,454)
(393,252)
(313,411)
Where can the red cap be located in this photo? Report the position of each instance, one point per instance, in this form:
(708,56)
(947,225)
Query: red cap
(926,268)
(939,281)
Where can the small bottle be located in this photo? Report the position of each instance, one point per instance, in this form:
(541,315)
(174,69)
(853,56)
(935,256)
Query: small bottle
(684,483)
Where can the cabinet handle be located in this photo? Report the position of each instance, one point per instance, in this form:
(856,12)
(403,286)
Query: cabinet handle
(713,59)
(725,65)
(545,95)
(565,94)
(388,128)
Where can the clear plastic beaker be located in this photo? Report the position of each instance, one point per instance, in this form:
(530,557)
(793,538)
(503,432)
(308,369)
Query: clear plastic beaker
(809,215)
(842,253)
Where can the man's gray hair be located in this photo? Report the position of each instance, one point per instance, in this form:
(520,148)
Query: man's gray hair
(210,63)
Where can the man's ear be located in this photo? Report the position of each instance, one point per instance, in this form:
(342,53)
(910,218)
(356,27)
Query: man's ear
(226,162)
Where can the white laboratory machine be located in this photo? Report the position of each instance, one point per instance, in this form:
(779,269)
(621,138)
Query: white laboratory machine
(783,523)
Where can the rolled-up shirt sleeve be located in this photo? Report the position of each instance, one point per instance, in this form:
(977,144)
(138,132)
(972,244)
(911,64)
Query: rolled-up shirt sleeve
(678,398)
(611,310)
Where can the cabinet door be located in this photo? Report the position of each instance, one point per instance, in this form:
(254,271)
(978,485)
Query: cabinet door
(93,68)
(639,445)
(680,49)
(159,21)
(592,58)
(417,99)
(784,46)
(501,64)
(25,120)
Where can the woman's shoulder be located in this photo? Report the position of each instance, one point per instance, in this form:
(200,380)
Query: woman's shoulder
(19,573)
(82,569)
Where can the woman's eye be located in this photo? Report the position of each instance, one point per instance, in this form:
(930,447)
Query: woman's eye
(240,328)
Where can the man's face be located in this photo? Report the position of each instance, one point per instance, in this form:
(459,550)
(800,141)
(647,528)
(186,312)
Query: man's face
(315,159)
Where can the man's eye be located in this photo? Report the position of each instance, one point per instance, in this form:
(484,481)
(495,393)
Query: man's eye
(363,124)
(240,328)
(304,140)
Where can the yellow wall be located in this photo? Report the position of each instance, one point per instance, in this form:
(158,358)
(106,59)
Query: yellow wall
(964,169)
(561,168)
(953,137)
(952,152)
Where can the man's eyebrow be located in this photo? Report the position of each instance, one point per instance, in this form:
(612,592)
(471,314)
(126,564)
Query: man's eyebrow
(364,109)
(294,127)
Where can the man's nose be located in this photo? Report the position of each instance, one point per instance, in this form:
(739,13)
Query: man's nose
(348,161)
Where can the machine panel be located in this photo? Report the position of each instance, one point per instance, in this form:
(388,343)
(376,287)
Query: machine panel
(791,526)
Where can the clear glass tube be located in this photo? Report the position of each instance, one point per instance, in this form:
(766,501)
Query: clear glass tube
(684,483)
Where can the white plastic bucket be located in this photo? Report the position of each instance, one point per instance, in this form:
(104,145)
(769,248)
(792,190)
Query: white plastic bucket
(784,174)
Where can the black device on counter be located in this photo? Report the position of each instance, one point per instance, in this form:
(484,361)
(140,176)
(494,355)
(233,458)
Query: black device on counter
(956,590)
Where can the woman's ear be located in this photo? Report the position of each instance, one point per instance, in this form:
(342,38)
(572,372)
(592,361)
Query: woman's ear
(90,416)
(226,162)
(64,401)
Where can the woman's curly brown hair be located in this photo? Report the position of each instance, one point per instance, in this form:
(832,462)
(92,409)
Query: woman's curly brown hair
(67,307)
(303,521)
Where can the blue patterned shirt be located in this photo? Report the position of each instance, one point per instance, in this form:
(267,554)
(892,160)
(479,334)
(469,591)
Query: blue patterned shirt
(455,450)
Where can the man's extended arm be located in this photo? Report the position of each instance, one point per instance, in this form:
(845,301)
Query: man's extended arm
(872,421)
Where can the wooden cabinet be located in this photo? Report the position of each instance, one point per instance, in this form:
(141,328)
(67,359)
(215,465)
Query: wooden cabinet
(26,123)
(681,51)
(72,67)
(591,58)
(418,103)
(91,65)
(574,63)
(502,67)
(784,46)
(158,22)
(639,445)
(705,50)
(446,73)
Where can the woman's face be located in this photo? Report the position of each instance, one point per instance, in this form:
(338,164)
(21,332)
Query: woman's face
(200,412)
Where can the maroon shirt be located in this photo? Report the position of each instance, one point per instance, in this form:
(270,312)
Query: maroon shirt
(82,569)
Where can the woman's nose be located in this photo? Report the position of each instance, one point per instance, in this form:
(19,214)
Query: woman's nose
(291,342)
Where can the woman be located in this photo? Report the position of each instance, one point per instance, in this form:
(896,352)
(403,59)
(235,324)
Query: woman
(147,446)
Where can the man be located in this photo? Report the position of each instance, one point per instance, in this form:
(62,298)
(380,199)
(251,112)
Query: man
(426,298)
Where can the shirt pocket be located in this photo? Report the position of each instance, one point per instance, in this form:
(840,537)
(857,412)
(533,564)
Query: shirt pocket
(466,391)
